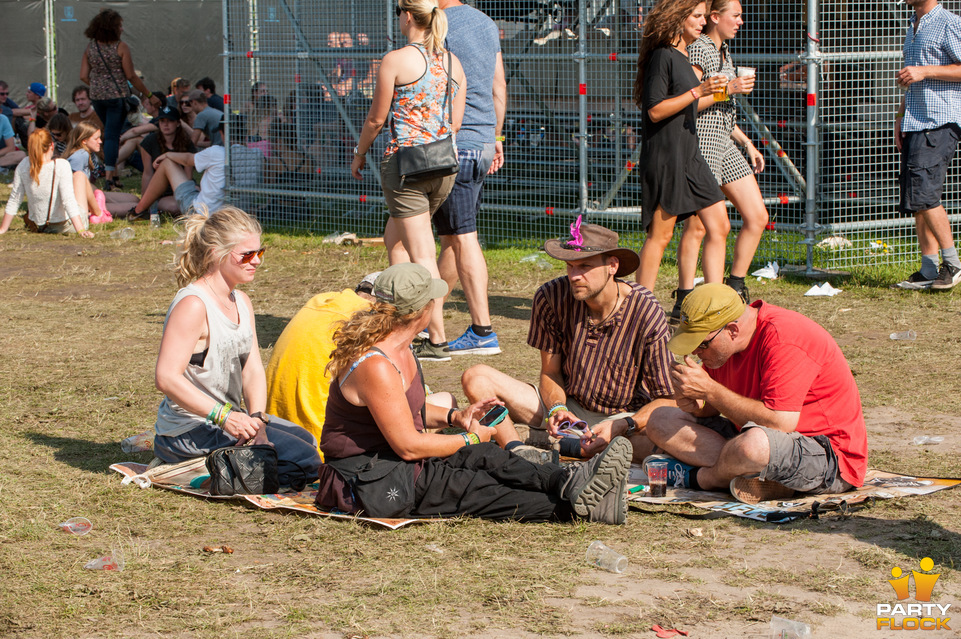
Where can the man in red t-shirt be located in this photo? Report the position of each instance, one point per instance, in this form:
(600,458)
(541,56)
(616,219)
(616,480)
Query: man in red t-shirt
(791,411)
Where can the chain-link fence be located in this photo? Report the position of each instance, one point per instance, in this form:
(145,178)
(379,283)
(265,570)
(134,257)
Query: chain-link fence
(302,74)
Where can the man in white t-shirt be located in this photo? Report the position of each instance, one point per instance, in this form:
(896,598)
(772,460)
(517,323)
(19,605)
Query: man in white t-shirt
(175,171)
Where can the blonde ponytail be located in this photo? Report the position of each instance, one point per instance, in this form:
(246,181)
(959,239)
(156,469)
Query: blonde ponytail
(428,15)
(207,240)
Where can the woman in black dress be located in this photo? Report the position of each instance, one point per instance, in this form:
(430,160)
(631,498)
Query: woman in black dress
(675,180)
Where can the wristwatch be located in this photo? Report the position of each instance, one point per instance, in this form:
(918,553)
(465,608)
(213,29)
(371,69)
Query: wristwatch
(631,426)
(262,417)
(357,152)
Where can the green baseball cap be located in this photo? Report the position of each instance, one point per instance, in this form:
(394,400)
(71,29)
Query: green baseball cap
(707,308)
(408,287)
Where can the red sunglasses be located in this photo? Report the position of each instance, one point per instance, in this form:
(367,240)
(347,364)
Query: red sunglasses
(247,256)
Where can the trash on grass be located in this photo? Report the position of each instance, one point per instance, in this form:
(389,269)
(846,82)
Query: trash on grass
(824,290)
(834,242)
(77,525)
(435,548)
(908,336)
(536,259)
(769,271)
(782,628)
(927,439)
(224,549)
(113,561)
(341,238)
(126,233)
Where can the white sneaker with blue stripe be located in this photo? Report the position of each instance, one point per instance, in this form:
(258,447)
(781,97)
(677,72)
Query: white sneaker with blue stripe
(470,343)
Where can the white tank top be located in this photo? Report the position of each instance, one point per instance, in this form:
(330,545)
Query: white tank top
(221,374)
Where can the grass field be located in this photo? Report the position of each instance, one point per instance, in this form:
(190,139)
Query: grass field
(81,323)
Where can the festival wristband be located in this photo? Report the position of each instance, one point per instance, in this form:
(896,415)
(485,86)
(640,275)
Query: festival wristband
(500,138)
(556,407)
(212,415)
(694,93)
(472,438)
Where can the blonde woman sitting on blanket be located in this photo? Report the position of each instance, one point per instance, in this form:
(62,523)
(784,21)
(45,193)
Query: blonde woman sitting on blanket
(209,359)
(48,185)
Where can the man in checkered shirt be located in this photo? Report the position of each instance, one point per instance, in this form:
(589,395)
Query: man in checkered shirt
(926,131)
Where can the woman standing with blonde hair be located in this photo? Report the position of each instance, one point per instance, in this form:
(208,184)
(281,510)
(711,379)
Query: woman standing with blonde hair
(209,359)
(717,133)
(676,182)
(412,89)
(47,183)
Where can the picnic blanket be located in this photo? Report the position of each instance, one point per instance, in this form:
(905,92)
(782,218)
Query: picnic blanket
(191,478)
(878,484)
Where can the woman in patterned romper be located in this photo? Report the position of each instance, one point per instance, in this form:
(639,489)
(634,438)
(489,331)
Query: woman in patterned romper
(411,89)
(717,134)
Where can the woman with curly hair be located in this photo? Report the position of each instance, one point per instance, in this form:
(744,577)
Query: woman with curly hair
(381,460)
(48,186)
(675,180)
(209,359)
(106,67)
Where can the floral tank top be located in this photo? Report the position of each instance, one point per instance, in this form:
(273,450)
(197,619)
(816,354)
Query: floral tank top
(107,79)
(420,111)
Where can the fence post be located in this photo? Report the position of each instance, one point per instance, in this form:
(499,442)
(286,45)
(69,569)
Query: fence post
(50,25)
(812,145)
(581,56)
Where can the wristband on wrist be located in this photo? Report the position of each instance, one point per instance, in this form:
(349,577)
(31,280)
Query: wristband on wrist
(472,438)
(499,138)
(556,407)
(631,426)
(450,415)
(212,415)
(223,413)
(694,93)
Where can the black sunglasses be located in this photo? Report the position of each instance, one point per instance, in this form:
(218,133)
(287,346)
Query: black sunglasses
(398,10)
(703,346)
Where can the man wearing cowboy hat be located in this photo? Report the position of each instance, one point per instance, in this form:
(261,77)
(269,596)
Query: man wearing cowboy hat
(603,344)
(791,411)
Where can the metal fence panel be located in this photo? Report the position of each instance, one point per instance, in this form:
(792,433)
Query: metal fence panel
(572,129)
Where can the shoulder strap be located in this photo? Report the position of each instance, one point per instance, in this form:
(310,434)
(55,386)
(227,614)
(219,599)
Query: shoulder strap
(372,352)
(53,187)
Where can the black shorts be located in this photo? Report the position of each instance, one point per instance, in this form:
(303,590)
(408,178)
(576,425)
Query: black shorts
(925,158)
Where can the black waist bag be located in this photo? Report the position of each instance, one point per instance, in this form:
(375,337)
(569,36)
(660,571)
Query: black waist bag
(427,161)
(381,487)
(243,470)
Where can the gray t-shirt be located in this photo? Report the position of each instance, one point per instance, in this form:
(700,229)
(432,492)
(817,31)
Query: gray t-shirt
(80,162)
(475,40)
(207,121)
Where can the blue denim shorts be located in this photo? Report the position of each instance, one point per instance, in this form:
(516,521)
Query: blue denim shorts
(458,214)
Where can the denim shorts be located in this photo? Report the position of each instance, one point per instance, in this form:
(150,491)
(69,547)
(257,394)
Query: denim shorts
(925,158)
(458,214)
(185,195)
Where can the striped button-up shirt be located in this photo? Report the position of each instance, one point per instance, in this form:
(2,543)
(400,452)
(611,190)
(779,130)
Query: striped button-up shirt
(618,365)
(936,41)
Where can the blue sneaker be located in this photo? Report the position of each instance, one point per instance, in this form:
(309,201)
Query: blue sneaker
(470,343)
(678,473)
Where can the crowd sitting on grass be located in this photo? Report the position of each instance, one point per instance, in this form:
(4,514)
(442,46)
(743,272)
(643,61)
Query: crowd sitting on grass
(757,399)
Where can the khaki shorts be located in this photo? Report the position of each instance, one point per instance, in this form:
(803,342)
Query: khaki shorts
(414,198)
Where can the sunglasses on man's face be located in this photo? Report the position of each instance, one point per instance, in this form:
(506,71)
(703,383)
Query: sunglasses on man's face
(185,103)
(2,93)
(247,256)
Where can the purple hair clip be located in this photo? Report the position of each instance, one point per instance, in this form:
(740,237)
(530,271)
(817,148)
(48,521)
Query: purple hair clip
(577,240)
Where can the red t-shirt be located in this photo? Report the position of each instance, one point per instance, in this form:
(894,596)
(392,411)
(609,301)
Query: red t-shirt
(792,364)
